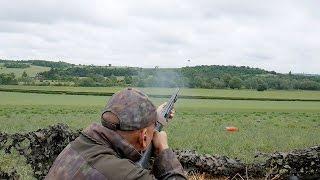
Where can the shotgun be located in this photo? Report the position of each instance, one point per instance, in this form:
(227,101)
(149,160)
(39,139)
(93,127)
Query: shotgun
(144,161)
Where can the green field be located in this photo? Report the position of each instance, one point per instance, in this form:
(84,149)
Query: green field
(31,71)
(219,93)
(199,124)
(22,112)
(185,105)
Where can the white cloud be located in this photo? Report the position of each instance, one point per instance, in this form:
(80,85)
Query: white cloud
(275,35)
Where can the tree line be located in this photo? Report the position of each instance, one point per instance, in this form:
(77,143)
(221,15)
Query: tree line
(27,63)
(86,71)
(16,65)
(217,77)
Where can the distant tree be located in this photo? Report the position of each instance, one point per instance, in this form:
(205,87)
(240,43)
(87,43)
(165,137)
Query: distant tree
(97,78)
(86,82)
(51,64)
(285,84)
(295,84)
(261,85)
(113,80)
(235,82)
(309,85)
(128,79)
(16,65)
(219,84)
(226,78)
(24,74)
(250,83)
(273,72)
(8,79)
(25,78)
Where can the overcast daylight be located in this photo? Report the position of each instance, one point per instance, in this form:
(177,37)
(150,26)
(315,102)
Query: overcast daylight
(166,89)
(275,35)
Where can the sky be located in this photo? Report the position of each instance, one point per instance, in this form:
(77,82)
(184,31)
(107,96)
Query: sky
(275,35)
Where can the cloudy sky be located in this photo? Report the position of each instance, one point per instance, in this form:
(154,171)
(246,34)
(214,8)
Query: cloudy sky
(275,35)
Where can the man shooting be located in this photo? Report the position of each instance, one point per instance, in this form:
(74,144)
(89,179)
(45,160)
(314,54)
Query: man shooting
(110,150)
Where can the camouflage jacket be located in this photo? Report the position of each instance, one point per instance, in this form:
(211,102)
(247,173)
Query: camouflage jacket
(100,153)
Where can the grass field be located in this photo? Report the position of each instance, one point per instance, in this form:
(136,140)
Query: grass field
(264,126)
(21,112)
(185,105)
(219,93)
(31,71)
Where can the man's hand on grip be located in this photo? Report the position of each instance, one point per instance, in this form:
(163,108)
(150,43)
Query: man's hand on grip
(160,141)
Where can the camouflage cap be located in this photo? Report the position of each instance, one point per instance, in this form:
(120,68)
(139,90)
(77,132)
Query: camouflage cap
(133,108)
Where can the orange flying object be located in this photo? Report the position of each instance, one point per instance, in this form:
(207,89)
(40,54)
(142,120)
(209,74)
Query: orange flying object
(232,128)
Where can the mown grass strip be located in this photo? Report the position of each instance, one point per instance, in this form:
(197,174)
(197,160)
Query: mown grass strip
(38,91)
(56,92)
